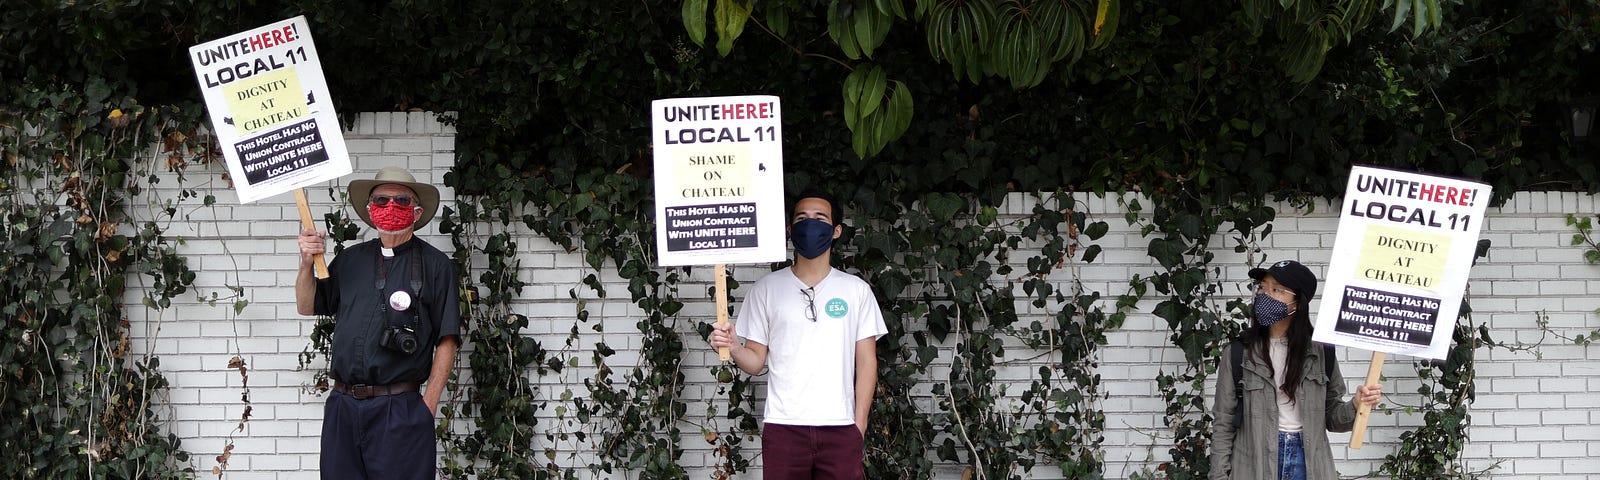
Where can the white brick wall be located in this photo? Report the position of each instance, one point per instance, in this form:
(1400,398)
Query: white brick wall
(1538,418)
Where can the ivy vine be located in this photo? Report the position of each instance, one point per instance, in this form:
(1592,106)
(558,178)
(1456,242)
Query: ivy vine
(1585,238)
(1433,449)
(939,111)
(75,157)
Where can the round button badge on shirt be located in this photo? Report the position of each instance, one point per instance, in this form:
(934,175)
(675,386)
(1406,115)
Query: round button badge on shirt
(400,301)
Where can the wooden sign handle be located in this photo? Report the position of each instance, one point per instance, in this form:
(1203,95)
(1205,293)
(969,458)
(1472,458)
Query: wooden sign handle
(1359,432)
(307,224)
(722,305)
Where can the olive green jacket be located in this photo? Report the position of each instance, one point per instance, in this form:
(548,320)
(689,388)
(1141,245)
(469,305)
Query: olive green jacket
(1252,452)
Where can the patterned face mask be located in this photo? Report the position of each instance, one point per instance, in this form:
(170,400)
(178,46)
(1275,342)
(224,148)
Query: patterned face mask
(1269,310)
(392,217)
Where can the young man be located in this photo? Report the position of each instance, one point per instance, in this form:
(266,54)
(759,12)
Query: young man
(815,328)
(398,315)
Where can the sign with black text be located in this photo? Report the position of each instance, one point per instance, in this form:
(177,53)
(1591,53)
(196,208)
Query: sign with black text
(1405,244)
(270,109)
(719,180)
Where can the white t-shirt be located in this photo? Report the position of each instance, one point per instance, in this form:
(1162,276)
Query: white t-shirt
(811,364)
(1288,412)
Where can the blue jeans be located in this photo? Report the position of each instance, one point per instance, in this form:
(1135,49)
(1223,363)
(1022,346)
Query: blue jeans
(1291,457)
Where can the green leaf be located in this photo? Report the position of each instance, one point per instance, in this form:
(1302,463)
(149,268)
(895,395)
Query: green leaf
(1435,16)
(1189,226)
(1108,29)
(1171,311)
(694,20)
(1401,8)
(778,20)
(852,97)
(731,16)
(872,88)
(1116,320)
(1168,252)
(859,141)
(581,201)
(871,28)
(872,127)
(842,32)
(1091,253)
(1096,230)
(943,206)
(900,111)
(896,8)
(95,92)
(1239,124)
(1419,21)
(892,283)
(986,215)
(939,322)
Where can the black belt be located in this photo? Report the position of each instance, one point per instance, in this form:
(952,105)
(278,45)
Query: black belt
(369,391)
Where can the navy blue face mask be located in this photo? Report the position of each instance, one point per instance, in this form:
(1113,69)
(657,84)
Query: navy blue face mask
(1269,310)
(811,237)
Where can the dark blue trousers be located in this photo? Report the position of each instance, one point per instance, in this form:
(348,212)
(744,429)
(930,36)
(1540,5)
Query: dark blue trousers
(387,437)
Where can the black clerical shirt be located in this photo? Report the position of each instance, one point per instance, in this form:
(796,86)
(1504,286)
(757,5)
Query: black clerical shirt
(363,310)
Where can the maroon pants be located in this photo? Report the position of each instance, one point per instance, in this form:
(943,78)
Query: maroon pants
(807,452)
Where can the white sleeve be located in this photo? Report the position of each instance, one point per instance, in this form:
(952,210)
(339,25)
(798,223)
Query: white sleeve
(871,316)
(752,321)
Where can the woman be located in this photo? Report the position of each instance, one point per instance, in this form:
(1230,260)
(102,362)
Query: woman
(1292,394)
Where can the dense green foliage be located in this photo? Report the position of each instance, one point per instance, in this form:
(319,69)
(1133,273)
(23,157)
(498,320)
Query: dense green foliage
(78,403)
(1207,108)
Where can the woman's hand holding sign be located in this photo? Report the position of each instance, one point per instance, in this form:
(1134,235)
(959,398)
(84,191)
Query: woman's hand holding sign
(1368,395)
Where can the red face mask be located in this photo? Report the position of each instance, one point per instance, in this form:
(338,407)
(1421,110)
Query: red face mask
(392,217)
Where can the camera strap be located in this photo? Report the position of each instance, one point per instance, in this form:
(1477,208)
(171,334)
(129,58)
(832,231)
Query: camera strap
(416,276)
(381,282)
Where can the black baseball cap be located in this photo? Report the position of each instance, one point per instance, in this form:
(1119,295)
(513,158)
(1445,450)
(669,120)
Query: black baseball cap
(1291,274)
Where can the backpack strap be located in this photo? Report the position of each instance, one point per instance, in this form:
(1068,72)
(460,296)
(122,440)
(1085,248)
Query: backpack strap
(1236,360)
(1328,362)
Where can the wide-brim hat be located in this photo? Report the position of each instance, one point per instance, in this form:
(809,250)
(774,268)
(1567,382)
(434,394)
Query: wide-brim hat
(427,195)
(1291,274)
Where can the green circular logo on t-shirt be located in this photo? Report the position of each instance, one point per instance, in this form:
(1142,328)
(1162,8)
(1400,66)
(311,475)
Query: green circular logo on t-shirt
(836,308)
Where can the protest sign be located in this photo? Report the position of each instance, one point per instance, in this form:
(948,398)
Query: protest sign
(1405,244)
(719,184)
(719,180)
(270,109)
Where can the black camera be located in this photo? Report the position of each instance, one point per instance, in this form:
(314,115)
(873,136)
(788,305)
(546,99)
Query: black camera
(401,339)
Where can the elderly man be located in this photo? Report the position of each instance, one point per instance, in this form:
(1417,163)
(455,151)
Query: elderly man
(396,303)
